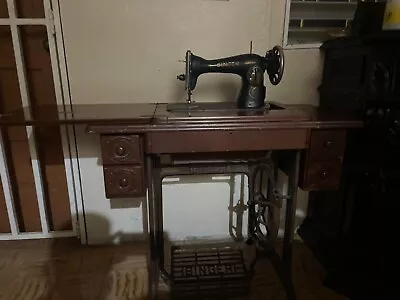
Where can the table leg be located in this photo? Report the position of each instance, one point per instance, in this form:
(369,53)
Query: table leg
(152,215)
(159,217)
(251,209)
(290,217)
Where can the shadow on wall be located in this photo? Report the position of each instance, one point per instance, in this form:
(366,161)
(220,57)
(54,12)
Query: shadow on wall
(135,227)
(196,208)
(201,208)
(204,208)
(302,204)
(75,271)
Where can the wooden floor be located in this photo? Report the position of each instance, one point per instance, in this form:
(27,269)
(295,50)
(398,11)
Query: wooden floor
(63,269)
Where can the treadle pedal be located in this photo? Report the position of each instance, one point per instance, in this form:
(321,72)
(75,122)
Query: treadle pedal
(208,273)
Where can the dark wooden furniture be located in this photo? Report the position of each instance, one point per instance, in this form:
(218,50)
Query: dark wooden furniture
(323,161)
(133,137)
(345,228)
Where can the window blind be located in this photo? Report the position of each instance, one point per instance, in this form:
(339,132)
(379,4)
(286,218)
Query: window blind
(314,21)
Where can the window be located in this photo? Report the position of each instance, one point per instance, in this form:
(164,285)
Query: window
(309,23)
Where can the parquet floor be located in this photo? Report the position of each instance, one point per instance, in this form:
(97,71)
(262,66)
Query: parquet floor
(63,269)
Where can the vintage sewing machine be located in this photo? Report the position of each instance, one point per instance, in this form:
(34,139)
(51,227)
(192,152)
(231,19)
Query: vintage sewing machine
(143,143)
(250,67)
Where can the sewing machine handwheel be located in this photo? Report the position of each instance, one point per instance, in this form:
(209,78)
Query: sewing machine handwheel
(276,65)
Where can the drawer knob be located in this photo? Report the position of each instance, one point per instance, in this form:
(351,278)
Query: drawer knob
(324,175)
(120,150)
(327,144)
(123,182)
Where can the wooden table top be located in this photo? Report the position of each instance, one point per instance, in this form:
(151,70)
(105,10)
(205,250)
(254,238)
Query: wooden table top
(81,114)
(114,118)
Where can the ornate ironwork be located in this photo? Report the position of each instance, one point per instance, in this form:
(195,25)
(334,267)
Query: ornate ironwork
(265,203)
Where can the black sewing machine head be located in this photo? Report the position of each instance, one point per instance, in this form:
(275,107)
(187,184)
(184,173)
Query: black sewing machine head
(250,67)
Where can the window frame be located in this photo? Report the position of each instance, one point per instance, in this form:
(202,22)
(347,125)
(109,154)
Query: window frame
(285,41)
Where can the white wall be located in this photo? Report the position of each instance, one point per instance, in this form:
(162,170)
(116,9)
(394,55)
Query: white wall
(128,51)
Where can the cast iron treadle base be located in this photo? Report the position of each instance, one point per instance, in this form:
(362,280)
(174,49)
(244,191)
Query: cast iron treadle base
(208,273)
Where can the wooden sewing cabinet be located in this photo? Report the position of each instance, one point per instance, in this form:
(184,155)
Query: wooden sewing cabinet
(309,144)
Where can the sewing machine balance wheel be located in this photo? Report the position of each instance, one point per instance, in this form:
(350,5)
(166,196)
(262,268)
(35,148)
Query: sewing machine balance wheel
(276,64)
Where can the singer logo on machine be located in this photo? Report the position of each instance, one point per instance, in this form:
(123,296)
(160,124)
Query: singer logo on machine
(208,270)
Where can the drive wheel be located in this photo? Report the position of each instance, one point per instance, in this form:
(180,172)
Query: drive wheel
(264,207)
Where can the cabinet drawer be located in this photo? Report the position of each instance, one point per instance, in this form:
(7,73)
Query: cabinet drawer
(124,181)
(323,175)
(121,149)
(327,144)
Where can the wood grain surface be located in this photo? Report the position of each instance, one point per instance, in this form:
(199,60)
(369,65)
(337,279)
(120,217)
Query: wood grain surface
(63,269)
